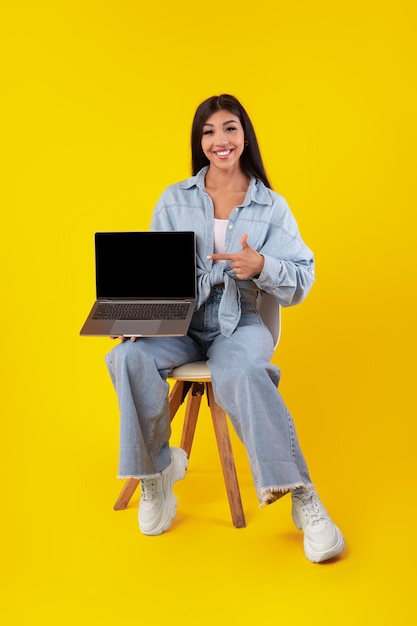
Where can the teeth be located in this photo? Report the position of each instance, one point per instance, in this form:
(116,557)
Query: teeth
(225,153)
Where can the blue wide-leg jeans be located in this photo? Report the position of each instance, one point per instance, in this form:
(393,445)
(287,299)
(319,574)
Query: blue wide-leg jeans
(245,385)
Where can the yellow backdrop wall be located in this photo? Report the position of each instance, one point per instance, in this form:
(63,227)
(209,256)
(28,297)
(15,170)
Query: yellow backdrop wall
(96,107)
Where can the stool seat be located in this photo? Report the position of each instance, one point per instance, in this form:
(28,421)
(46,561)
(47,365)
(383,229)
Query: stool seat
(196,370)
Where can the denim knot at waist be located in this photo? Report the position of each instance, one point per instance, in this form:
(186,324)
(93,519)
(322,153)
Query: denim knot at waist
(229,309)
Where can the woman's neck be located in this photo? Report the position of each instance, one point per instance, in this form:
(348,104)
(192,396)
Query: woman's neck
(226,190)
(226,181)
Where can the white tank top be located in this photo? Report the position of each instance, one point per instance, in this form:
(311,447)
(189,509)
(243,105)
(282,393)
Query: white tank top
(220,227)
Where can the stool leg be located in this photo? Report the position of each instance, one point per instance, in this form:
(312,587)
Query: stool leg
(190,422)
(126,494)
(226,456)
(176,398)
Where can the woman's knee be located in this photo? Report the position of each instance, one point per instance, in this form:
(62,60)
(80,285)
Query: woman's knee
(234,374)
(126,354)
(249,374)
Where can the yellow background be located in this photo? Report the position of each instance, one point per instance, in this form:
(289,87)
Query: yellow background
(96,107)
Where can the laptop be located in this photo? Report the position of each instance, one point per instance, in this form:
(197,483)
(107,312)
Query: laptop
(145,284)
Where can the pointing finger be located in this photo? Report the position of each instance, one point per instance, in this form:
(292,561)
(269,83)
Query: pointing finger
(221,257)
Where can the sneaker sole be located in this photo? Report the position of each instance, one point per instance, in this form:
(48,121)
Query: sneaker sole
(319,557)
(180,461)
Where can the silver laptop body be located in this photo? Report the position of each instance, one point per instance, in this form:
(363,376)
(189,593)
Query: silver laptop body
(145,284)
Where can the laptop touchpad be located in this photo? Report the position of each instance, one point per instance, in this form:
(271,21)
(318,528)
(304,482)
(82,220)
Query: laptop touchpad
(129,328)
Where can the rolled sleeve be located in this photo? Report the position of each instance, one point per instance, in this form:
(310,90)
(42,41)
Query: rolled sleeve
(288,281)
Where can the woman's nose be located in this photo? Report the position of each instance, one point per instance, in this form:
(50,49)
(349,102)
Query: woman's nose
(222,140)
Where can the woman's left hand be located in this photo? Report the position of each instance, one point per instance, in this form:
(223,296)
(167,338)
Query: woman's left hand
(246,264)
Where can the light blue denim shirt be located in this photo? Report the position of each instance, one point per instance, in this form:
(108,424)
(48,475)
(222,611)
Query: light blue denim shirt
(288,271)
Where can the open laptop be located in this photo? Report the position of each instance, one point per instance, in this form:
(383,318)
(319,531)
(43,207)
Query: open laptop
(145,284)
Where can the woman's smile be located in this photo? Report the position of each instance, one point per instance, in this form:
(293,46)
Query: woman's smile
(223,154)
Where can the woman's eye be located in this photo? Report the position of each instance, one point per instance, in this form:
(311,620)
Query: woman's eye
(207,132)
(230,128)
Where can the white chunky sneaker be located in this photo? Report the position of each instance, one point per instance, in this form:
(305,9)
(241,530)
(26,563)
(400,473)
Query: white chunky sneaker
(322,538)
(157,506)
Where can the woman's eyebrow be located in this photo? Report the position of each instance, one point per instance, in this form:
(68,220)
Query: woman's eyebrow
(224,123)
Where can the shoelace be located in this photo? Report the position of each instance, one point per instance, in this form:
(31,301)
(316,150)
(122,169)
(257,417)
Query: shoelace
(148,488)
(311,508)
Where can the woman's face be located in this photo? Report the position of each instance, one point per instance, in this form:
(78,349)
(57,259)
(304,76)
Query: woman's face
(223,140)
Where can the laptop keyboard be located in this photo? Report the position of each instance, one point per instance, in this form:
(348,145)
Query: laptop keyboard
(141,311)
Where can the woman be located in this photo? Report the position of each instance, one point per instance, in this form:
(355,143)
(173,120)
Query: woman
(247,240)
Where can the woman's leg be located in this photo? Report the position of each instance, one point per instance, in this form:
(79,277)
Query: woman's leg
(138,370)
(245,385)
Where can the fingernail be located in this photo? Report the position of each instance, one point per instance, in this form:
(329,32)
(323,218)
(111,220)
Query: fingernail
(209,257)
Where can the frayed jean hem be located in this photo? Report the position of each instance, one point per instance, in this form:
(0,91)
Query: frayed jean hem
(269,495)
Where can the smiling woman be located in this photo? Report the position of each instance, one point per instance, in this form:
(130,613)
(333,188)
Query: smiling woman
(264,252)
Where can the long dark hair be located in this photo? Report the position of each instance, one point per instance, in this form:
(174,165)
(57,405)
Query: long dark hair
(251,160)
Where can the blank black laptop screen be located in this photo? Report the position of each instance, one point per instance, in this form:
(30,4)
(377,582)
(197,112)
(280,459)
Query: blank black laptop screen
(155,265)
